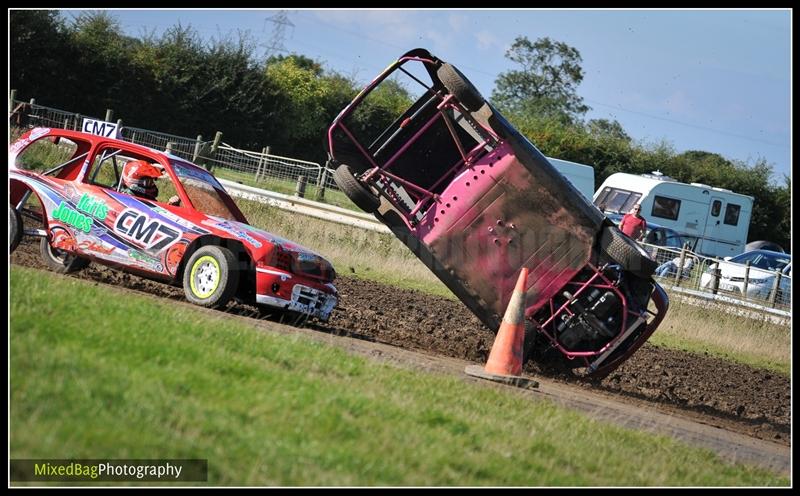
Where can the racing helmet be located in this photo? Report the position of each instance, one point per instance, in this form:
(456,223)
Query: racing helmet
(140,177)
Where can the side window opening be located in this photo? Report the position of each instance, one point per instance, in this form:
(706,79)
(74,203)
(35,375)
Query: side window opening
(106,171)
(732,214)
(51,154)
(666,208)
(716,206)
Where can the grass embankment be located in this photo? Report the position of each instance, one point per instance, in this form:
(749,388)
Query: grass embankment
(383,258)
(287,187)
(101,373)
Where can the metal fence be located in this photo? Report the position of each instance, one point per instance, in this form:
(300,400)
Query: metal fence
(683,268)
(263,169)
(242,165)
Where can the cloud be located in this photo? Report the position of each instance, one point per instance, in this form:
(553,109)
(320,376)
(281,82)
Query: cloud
(679,104)
(487,40)
(393,27)
(457,22)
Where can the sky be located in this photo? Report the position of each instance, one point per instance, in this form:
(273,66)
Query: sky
(711,80)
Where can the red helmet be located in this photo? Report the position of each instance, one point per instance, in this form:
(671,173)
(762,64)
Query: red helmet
(139,176)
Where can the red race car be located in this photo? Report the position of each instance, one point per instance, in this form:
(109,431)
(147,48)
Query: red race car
(156,215)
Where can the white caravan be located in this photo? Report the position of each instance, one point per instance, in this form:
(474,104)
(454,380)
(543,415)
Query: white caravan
(581,176)
(716,219)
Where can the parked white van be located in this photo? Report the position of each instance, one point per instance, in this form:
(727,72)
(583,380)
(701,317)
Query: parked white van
(581,176)
(717,219)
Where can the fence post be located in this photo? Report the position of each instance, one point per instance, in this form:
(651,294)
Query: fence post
(11,97)
(323,177)
(261,159)
(78,122)
(109,115)
(197,145)
(300,190)
(213,152)
(33,119)
(773,297)
(679,271)
(746,279)
(715,275)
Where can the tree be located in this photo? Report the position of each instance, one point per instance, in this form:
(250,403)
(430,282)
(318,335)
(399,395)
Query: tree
(605,127)
(40,55)
(546,84)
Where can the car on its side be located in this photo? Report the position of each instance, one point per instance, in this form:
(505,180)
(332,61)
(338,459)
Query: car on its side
(477,202)
(190,234)
(764,268)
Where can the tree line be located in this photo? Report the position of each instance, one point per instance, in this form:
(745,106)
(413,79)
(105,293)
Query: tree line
(179,84)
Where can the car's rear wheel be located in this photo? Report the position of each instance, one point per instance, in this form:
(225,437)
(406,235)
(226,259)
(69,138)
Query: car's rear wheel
(211,276)
(14,229)
(460,87)
(57,260)
(359,194)
(626,252)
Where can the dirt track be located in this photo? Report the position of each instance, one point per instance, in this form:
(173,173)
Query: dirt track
(712,391)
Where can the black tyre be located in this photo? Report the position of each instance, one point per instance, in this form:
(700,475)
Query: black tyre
(626,252)
(57,260)
(211,276)
(359,194)
(14,229)
(460,87)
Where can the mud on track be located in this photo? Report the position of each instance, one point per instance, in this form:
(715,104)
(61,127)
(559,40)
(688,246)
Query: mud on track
(711,390)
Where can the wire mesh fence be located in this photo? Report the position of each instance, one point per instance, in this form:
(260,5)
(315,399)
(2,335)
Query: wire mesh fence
(768,283)
(759,285)
(249,167)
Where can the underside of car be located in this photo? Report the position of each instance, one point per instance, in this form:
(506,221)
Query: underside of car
(476,202)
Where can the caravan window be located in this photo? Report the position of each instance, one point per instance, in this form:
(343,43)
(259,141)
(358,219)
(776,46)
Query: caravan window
(616,200)
(666,208)
(716,206)
(732,214)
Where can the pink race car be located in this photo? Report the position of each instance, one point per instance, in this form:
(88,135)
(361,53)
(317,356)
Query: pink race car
(156,215)
(476,202)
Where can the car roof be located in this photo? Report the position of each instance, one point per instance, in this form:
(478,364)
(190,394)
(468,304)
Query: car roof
(768,252)
(96,139)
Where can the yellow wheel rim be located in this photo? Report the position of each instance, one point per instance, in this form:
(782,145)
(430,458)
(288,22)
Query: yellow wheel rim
(205,276)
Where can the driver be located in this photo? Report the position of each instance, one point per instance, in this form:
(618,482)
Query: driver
(139,179)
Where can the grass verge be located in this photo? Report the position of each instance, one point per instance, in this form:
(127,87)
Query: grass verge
(99,373)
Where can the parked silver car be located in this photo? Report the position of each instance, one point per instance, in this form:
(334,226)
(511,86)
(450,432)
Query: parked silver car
(764,264)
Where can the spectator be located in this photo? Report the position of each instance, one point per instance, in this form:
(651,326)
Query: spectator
(633,224)
(671,267)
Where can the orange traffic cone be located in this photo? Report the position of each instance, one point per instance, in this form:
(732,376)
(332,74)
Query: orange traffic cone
(505,358)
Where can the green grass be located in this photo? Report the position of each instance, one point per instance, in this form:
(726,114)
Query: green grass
(702,330)
(101,373)
(331,196)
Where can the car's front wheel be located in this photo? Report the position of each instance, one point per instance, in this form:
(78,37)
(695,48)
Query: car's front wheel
(211,276)
(460,87)
(359,194)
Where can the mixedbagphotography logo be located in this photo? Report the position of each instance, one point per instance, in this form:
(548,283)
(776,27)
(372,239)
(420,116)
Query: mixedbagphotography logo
(163,470)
